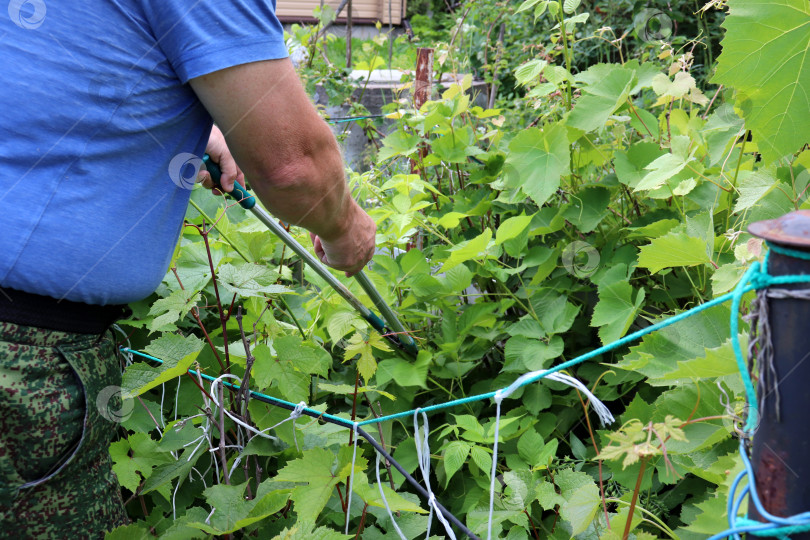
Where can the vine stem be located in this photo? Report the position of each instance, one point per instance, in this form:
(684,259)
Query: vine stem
(567,55)
(223,318)
(634,501)
(531,522)
(362,522)
(195,312)
(596,449)
(382,440)
(351,437)
(223,458)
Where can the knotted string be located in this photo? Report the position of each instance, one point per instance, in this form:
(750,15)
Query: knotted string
(423,458)
(351,478)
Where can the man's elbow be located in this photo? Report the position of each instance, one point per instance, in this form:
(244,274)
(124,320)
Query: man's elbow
(316,165)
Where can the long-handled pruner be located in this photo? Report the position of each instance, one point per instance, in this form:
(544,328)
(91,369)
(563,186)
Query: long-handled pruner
(393,331)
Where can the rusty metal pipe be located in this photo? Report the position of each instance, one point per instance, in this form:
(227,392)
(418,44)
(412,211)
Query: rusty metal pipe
(781,444)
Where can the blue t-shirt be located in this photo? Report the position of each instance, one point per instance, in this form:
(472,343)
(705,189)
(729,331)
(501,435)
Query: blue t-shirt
(102,134)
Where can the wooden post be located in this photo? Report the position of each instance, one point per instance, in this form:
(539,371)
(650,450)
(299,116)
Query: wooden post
(422,90)
(423,86)
(349,35)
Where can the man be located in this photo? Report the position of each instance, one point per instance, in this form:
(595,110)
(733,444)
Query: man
(107,108)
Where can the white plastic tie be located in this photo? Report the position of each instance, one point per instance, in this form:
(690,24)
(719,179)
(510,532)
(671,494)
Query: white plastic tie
(423,458)
(498,400)
(600,408)
(385,500)
(351,479)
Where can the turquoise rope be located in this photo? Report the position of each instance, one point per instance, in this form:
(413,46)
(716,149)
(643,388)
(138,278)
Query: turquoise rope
(353,119)
(629,338)
(795,253)
(750,393)
(336,419)
(778,531)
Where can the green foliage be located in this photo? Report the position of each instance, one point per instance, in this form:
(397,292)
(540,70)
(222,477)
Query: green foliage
(764,51)
(604,192)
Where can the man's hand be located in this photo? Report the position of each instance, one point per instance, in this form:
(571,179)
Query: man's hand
(351,249)
(220,154)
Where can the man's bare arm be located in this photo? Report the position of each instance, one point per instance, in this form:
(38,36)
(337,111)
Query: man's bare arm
(290,156)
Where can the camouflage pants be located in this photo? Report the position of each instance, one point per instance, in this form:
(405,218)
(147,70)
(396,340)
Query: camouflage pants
(56,478)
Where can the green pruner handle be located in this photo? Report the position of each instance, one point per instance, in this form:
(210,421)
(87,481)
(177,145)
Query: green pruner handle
(240,194)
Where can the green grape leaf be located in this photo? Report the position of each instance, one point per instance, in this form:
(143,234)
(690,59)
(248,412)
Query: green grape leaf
(177,353)
(765,59)
(718,362)
(470,249)
(677,88)
(162,475)
(712,517)
(366,364)
(754,186)
(143,460)
(722,127)
(404,373)
(340,323)
(134,531)
(658,353)
(587,208)
(299,532)
(537,161)
(231,511)
(315,469)
(249,279)
(580,507)
(600,100)
(618,307)
(512,227)
(631,166)
(371,494)
(305,356)
(668,165)
(674,249)
(452,146)
(726,277)
(171,309)
(292,367)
